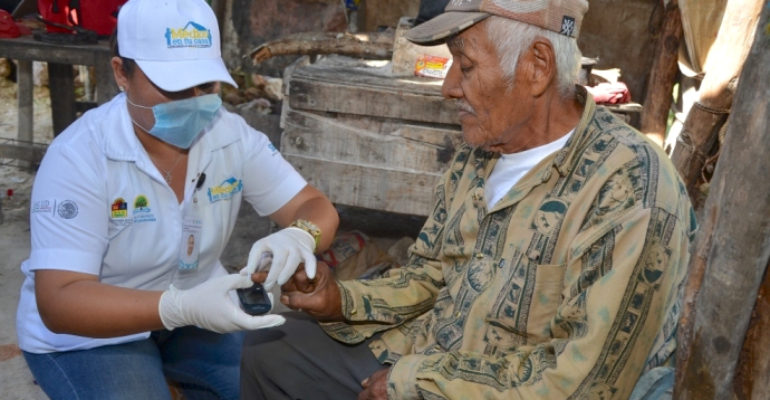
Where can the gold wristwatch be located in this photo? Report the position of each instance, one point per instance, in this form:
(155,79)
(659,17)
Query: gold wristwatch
(310,228)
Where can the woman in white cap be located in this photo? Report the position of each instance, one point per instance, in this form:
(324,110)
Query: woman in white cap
(114,303)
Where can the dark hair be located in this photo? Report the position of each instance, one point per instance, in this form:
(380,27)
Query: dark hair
(128,63)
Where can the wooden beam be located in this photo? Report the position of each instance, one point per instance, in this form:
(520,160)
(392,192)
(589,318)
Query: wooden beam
(732,249)
(374,45)
(662,76)
(25,94)
(62,89)
(25,151)
(751,381)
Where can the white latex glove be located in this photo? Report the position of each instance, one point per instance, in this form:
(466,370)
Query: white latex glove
(209,306)
(289,247)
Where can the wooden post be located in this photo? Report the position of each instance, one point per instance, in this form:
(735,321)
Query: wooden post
(732,249)
(62,89)
(659,97)
(752,380)
(106,88)
(25,94)
(708,115)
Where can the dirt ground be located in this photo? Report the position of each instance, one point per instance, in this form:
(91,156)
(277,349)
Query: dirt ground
(16,382)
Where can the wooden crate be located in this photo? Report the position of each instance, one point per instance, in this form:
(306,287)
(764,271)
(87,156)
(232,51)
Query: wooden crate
(366,138)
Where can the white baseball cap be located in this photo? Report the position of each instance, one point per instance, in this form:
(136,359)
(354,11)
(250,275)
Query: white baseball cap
(174,42)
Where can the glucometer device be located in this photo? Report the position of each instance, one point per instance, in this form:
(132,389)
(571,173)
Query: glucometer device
(254,299)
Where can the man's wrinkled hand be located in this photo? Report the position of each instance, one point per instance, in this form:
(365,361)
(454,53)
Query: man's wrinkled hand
(319,296)
(375,386)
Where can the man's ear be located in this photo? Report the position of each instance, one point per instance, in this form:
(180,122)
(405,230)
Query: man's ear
(543,66)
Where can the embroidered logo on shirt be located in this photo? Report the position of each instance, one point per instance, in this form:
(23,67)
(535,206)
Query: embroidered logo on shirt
(119,209)
(67,209)
(142,211)
(225,190)
(192,35)
(42,206)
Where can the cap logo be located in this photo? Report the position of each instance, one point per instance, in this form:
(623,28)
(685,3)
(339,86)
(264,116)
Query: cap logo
(192,35)
(567,26)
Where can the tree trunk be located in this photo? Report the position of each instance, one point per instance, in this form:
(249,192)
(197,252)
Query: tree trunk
(662,76)
(732,250)
(723,65)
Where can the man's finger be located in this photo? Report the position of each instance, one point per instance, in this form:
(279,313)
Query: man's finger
(303,283)
(259,276)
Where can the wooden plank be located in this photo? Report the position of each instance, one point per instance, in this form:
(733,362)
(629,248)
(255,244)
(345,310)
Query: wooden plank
(369,142)
(27,48)
(359,91)
(24,151)
(382,189)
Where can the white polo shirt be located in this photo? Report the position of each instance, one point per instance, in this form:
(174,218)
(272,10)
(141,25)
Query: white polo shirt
(99,206)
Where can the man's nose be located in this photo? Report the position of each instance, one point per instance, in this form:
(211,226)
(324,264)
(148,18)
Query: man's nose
(451,86)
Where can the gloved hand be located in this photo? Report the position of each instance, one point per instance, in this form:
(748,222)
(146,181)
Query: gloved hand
(209,306)
(289,247)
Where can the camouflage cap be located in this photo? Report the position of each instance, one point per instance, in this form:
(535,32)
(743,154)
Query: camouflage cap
(561,16)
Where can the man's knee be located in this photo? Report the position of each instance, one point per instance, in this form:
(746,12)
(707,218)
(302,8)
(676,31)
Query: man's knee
(260,346)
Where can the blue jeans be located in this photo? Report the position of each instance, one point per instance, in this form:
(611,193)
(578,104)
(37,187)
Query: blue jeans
(206,365)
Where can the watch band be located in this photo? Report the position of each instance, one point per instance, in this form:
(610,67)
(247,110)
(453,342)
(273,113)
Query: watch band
(310,228)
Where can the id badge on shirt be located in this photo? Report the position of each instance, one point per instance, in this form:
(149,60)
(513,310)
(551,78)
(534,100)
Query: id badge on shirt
(189,249)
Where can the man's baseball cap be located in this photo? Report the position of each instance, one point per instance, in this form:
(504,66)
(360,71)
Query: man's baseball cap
(174,42)
(562,16)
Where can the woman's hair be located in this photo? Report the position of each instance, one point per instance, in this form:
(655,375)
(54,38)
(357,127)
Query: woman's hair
(511,37)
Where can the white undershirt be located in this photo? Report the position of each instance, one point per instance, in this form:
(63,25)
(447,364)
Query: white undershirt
(512,167)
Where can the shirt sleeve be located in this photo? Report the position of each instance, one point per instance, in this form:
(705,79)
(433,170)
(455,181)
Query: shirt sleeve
(68,212)
(269,180)
(404,293)
(618,289)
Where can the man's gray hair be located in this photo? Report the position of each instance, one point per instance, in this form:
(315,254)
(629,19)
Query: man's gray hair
(511,37)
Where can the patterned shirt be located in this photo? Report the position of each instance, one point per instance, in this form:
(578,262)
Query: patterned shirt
(566,289)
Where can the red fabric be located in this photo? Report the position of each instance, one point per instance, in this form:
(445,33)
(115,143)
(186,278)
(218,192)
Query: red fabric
(8,27)
(610,93)
(58,11)
(99,16)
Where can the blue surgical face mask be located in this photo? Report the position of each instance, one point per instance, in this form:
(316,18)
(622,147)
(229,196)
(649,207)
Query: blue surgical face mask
(179,122)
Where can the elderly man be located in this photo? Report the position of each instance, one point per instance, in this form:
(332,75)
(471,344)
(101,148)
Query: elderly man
(549,266)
